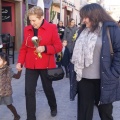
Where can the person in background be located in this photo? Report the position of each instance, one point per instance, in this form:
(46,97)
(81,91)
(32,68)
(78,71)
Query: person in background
(6,75)
(97,70)
(63,58)
(61,29)
(38,59)
(70,34)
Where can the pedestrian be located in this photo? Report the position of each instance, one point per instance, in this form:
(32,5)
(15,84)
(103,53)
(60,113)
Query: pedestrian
(97,71)
(69,34)
(63,58)
(61,29)
(38,59)
(6,75)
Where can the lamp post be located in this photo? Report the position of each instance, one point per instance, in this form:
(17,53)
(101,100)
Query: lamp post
(60,9)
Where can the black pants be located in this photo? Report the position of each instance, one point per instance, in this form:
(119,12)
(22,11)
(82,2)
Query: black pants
(88,96)
(31,78)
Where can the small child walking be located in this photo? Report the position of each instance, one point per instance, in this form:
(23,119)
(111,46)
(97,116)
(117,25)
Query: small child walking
(63,58)
(6,75)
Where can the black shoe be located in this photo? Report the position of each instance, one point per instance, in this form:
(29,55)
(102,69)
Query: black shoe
(53,113)
(17,117)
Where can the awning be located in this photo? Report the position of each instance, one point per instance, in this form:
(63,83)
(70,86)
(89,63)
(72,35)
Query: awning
(47,3)
(32,2)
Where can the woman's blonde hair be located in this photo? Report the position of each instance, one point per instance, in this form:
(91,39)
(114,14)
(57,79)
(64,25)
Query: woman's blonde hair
(36,10)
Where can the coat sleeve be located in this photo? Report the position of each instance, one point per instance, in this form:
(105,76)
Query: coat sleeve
(56,42)
(115,68)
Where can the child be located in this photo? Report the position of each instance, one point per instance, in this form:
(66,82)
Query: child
(6,75)
(63,58)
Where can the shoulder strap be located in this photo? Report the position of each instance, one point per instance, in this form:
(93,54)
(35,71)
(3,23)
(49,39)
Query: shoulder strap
(109,38)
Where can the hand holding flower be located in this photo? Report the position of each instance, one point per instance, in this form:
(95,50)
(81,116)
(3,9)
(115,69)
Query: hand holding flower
(36,41)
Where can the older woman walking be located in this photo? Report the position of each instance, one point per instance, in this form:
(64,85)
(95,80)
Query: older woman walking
(48,45)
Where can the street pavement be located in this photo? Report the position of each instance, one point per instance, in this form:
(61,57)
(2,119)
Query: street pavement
(67,110)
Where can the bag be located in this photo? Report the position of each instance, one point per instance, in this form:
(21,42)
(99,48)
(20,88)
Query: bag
(55,74)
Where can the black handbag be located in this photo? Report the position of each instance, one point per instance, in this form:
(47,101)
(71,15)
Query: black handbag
(55,74)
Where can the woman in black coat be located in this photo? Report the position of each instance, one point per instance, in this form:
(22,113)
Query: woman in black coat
(61,29)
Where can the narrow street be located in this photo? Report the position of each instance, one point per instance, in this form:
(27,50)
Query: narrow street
(67,110)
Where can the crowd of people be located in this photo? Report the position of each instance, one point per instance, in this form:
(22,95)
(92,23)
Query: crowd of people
(93,49)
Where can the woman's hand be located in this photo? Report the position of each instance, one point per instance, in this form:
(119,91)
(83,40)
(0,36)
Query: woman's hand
(19,66)
(40,49)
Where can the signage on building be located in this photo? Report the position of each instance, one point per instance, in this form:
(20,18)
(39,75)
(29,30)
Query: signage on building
(69,3)
(6,14)
(69,8)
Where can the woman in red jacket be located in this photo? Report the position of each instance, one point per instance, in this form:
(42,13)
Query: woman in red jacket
(48,45)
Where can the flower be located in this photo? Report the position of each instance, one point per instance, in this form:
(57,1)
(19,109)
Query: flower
(75,36)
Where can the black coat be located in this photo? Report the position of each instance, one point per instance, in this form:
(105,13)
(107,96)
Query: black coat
(109,67)
(66,57)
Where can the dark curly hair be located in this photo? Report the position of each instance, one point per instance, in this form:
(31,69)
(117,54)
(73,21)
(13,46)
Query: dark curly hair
(4,57)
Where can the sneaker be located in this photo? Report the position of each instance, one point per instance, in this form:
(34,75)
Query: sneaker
(53,113)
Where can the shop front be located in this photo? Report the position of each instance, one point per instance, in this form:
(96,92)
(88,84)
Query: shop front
(11,22)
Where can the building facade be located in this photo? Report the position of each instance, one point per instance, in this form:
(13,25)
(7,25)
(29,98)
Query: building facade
(70,9)
(11,22)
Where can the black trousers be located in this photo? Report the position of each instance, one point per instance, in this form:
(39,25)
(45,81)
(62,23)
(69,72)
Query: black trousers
(88,96)
(31,78)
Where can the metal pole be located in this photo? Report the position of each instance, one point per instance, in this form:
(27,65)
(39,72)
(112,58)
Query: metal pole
(60,9)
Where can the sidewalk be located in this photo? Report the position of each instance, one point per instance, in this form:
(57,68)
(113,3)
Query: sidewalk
(67,110)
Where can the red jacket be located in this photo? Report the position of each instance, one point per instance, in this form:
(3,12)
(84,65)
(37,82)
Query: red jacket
(49,38)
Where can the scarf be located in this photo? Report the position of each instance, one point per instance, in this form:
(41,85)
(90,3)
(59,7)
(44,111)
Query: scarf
(83,51)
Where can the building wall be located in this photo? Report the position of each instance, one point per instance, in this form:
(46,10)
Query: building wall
(68,11)
(9,27)
(115,11)
(14,27)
